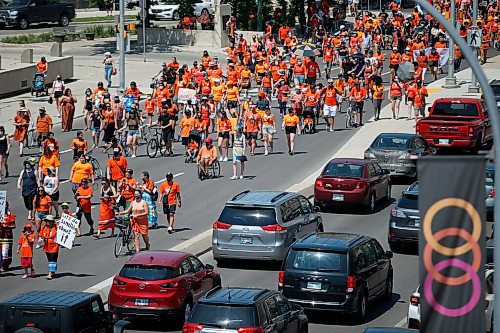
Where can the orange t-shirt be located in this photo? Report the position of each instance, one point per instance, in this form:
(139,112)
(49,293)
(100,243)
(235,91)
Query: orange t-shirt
(79,145)
(41,67)
(43,124)
(149,106)
(26,242)
(46,162)
(395,58)
(217,92)
(49,236)
(232,94)
(44,204)
(117,168)
(252,121)
(312,99)
(128,188)
(171,191)
(378,92)
(208,153)
(85,204)
(186,125)
(290,120)
(330,96)
(224,125)
(81,171)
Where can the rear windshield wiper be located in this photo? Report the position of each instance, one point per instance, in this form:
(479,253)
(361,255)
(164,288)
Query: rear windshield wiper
(136,278)
(323,269)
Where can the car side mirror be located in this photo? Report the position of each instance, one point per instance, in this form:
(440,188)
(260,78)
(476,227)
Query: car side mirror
(386,172)
(120,326)
(389,254)
(209,267)
(316,209)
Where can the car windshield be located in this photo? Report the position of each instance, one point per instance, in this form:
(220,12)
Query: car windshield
(490,177)
(312,260)
(147,273)
(408,201)
(391,143)
(496,89)
(343,170)
(455,109)
(248,216)
(17,3)
(223,316)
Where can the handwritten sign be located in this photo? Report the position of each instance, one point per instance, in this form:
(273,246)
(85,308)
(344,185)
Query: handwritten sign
(66,231)
(186,94)
(3,202)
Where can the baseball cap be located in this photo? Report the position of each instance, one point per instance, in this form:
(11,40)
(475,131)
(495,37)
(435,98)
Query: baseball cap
(330,81)
(209,140)
(116,150)
(65,204)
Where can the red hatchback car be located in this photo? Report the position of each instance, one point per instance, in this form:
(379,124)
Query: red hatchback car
(158,284)
(352,182)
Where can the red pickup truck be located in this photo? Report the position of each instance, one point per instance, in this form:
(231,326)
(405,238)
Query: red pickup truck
(457,123)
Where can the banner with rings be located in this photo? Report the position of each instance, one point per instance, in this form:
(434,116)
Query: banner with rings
(451,246)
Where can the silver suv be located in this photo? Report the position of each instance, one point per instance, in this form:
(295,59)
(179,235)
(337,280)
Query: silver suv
(261,225)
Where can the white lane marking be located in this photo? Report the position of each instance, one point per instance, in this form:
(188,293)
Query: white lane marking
(65,181)
(195,239)
(401,323)
(65,151)
(163,179)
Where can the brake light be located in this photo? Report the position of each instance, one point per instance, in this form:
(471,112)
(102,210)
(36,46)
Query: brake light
(471,130)
(397,213)
(319,182)
(191,328)
(119,282)
(360,185)
(30,324)
(492,193)
(273,228)
(221,225)
(251,330)
(173,284)
(351,283)
(417,129)
(281,279)
(414,300)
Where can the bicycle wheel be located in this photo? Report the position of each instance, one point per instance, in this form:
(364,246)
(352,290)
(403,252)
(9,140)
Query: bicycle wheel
(152,148)
(30,139)
(162,147)
(130,240)
(98,174)
(119,244)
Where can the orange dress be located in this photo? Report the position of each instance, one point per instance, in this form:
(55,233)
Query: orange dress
(21,127)
(106,212)
(140,224)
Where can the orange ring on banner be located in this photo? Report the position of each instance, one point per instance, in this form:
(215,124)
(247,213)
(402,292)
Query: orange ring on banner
(444,203)
(452,281)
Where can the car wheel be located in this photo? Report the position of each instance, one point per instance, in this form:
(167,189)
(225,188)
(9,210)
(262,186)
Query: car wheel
(389,193)
(23,23)
(395,247)
(372,203)
(175,16)
(64,20)
(388,288)
(185,312)
(362,304)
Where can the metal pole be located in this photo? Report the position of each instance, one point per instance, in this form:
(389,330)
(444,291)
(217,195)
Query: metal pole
(451,80)
(259,15)
(473,88)
(491,104)
(144,28)
(121,44)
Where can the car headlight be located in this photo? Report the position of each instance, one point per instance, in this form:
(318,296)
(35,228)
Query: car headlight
(13,13)
(498,104)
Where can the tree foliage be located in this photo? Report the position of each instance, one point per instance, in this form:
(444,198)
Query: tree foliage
(186,8)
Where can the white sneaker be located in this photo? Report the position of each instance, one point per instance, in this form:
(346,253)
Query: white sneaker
(225,159)
(234,177)
(241,177)
(38,246)
(133,156)
(266,153)
(220,159)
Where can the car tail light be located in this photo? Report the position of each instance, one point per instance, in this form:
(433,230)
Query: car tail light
(360,185)
(492,193)
(417,129)
(471,130)
(414,300)
(319,182)
(397,213)
(273,228)
(119,282)
(191,328)
(251,330)
(351,283)
(281,278)
(221,225)
(173,284)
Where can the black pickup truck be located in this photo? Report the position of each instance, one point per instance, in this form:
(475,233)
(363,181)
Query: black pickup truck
(22,13)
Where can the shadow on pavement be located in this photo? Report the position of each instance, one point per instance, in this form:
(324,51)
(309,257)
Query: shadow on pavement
(253,265)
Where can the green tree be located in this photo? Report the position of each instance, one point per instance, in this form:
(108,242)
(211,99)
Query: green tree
(186,8)
(245,12)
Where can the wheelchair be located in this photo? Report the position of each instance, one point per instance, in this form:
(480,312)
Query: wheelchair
(213,171)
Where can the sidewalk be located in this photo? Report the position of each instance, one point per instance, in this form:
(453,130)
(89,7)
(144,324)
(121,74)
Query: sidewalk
(95,12)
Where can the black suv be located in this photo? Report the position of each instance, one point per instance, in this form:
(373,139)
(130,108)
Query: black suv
(57,312)
(404,222)
(336,272)
(247,310)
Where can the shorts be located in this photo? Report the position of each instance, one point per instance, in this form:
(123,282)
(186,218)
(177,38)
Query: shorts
(311,79)
(267,90)
(224,135)
(409,99)
(396,98)
(169,209)
(433,64)
(330,110)
(55,196)
(133,133)
(268,129)
(419,110)
(232,104)
(58,94)
(41,215)
(328,65)
(26,262)
(251,135)
(185,141)
(395,66)
(291,129)
(299,78)
(96,129)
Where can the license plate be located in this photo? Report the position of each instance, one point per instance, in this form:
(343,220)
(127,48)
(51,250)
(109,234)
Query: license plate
(141,302)
(337,197)
(444,141)
(314,285)
(246,240)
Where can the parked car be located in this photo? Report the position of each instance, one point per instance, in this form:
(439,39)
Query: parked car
(56,311)
(404,221)
(490,190)
(169,9)
(22,13)
(158,284)
(495,85)
(398,152)
(261,225)
(414,306)
(352,182)
(336,272)
(246,310)
(457,123)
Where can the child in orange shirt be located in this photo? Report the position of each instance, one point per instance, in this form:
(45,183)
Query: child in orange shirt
(25,247)
(192,150)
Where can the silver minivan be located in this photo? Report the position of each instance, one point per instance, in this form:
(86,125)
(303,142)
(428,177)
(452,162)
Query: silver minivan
(261,225)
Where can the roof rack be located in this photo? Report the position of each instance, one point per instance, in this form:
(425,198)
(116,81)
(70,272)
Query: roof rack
(354,240)
(279,196)
(212,291)
(239,195)
(260,293)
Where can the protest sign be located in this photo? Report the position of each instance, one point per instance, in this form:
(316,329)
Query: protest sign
(66,231)
(3,202)
(186,94)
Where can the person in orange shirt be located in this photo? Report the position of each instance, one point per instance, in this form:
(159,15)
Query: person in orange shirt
(126,187)
(330,105)
(378,95)
(312,70)
(170,198)
(48,159)
(328,54)
(42,66)
(485,44)
(311,105)
(417,76)
(50,246)
(206,156)
(117,164)
(458,58)
(291,126)
(79,145)
(218,91)
(394,61)
(358,95)
(283,32)
(186,125)
(224,128)
(419,101)
(43,125)
(232,96)
(25,248)
(149,108)
(252,124)
(80,170)
(42,206)
(83,195)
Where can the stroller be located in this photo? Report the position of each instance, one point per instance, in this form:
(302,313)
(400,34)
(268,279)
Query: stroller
(39,87)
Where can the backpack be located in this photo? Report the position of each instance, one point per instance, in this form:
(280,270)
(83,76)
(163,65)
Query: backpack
(154,194)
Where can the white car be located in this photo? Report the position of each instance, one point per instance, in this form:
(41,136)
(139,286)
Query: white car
(169,9)
(413,318)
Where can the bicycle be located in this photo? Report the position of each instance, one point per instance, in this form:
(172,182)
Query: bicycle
(349,116)
(96,166)
(156,143)
(125,236)
(31,138)
(122,140)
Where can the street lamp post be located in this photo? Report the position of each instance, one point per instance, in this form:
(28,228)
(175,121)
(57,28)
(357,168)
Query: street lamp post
(144,29)
(474,88)
(121,44)
(451,80)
